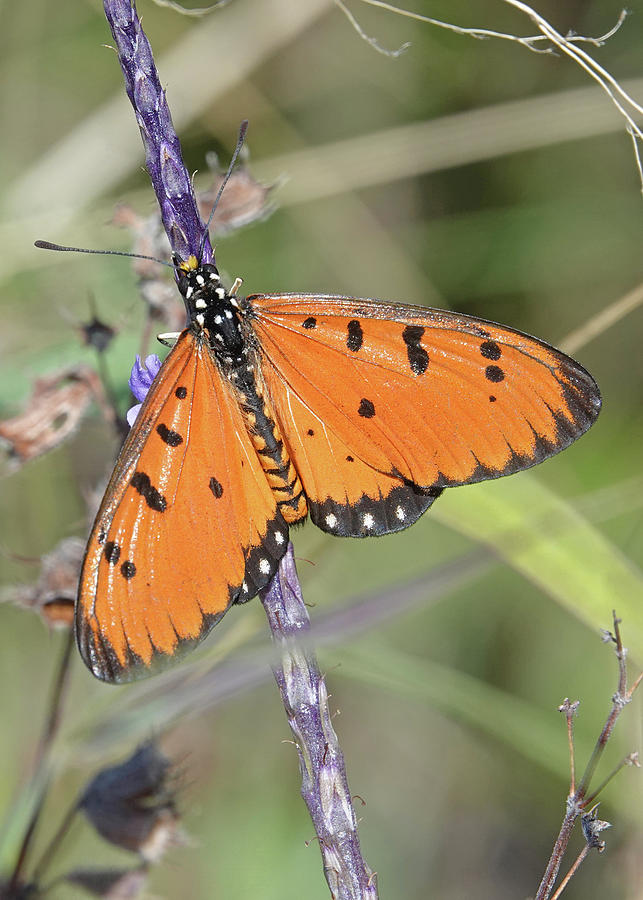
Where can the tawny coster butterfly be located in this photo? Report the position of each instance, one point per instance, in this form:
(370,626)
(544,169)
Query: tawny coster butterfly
(271,408)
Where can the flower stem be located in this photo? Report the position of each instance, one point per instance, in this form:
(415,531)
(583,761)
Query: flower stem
(324,786)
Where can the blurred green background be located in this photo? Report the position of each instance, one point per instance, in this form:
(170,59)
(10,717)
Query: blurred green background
(515,197)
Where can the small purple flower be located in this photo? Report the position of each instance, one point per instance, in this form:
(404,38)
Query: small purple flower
(140,381)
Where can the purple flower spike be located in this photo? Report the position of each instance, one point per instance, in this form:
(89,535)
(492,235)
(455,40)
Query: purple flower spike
(140,381)
(170,178)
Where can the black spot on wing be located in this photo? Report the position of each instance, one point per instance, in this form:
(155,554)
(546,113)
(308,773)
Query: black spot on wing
(355,337)
(310,322)
(169,437)
(494,374)
(490,350)
(141,482)
(181,392)
(112,552)
(128,569)
(366,408)
(417,355)
(216,487)
(477,330)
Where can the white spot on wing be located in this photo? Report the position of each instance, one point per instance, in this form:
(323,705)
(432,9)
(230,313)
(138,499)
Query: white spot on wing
(331,520)
(279,537)
(400,514)
(264,566)
(368,521)
(201,304)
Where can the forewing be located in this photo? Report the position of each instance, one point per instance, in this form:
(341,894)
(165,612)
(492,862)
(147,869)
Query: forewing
(424,398)
(187,527)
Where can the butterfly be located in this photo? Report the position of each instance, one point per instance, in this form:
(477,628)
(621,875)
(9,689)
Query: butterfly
(275,407)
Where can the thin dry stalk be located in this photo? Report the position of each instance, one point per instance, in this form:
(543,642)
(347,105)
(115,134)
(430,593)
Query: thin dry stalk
(569,45)
(52,723)
(578,800)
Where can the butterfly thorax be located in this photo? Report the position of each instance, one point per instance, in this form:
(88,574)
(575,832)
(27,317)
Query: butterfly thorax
(213,310)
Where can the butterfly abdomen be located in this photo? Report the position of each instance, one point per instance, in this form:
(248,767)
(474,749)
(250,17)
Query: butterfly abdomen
(269,444)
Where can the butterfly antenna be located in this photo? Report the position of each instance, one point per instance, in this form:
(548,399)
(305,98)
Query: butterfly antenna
(47,245)
(242,136)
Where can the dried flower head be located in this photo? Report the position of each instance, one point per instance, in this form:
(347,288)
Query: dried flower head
(54,594)
(592,827)
(57,404)
(132,805)
(244,201)
(97,334)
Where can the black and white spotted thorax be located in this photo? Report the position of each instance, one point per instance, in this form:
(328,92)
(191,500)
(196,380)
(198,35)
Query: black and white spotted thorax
(211,308)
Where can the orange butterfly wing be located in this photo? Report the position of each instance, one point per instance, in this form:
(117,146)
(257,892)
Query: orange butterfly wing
(384,405)
(188,526)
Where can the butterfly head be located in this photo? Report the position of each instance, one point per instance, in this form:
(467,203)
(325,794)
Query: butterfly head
(210,307)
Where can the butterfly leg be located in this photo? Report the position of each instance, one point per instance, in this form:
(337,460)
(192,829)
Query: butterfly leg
(168,338)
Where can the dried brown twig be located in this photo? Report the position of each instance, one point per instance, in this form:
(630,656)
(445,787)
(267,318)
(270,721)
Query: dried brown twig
(547,40)
(579,801)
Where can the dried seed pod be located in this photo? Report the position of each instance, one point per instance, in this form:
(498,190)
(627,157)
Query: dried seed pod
(132,805)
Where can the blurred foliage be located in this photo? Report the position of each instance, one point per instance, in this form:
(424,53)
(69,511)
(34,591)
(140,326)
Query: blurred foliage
(448,712)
